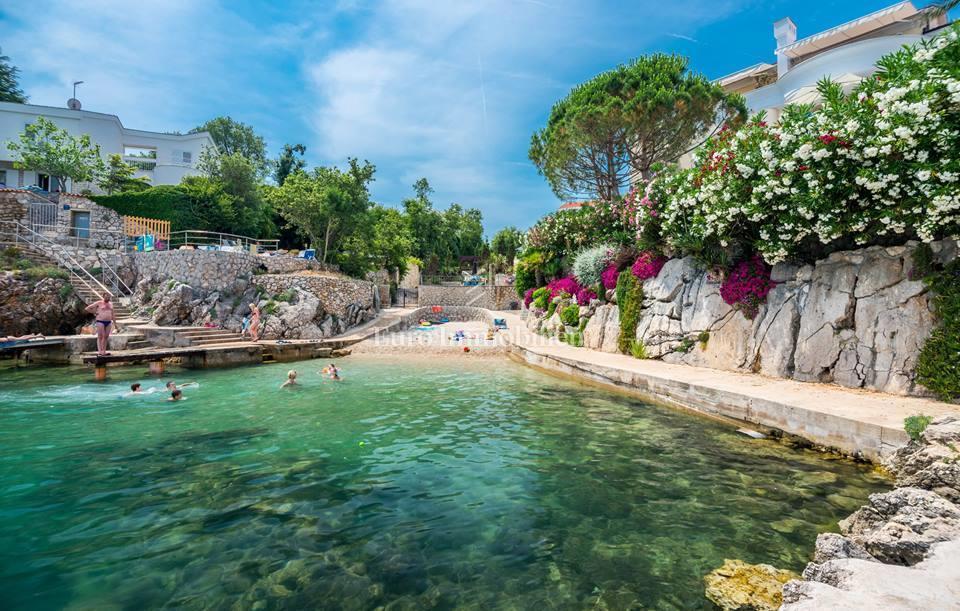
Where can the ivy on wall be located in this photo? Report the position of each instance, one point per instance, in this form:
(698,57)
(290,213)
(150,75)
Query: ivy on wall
(938,367)
(629,302)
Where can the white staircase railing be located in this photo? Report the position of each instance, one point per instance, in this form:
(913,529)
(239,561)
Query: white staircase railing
(23,234)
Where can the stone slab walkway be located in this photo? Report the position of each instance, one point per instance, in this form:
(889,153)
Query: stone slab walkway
(868,424)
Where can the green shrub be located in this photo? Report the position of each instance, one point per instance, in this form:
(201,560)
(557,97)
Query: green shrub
(686,345)
(148,296)
(95,271)
(570,315)
(40,272)
(638,349)
(703,338)
(525,277)
(629,303)
(916,425)
(574,339)
(164,202)
(938,366)
(271,308)
(589,263)
(541,298)
(551,308)
(65,291)
(924,262)
(286,296)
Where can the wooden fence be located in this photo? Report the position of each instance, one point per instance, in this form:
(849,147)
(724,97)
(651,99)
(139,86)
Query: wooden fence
(135,226)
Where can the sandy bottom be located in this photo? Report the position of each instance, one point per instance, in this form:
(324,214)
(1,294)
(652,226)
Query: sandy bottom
(447,338)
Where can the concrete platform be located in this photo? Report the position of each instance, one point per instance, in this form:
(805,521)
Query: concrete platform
(855,422)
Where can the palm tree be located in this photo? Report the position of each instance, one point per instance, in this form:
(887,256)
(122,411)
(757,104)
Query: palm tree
(945,7)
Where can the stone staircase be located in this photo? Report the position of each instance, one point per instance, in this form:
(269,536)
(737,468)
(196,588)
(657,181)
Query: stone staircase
(88,295)
(203,336)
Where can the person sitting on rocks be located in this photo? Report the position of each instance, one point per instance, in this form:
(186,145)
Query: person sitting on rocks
(291,379)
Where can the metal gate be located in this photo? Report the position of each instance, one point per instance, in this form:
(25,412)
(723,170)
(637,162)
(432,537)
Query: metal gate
(42,216)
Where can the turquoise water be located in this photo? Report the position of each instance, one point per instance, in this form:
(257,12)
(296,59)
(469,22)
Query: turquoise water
(429,484)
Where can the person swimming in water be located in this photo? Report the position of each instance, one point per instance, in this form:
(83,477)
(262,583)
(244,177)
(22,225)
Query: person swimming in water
(176,395)
(135,388)
(291,379)
(171,385)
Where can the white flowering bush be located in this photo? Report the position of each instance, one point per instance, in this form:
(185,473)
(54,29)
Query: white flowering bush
(879,165)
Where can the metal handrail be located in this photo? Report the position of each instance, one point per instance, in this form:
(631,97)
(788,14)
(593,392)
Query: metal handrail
(193,237)
(75,266)
(118,282)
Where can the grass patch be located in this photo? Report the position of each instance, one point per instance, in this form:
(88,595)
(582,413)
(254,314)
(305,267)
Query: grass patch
(271,308)
(638,350)
(703,338)
(40,272)
(916,425)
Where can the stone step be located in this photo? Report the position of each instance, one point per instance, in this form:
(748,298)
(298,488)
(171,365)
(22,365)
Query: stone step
(204,333)
(138,344)
(216,341)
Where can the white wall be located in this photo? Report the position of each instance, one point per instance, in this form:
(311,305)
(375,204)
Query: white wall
(107,131)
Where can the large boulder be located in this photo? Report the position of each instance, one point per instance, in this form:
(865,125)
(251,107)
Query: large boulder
(898,527)
(174,304)
(738,586)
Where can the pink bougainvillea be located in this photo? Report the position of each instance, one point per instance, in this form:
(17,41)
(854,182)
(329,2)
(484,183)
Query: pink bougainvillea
(648,265)
(584,296)
(568,285)
(609,277)
(528,297)
(746,287)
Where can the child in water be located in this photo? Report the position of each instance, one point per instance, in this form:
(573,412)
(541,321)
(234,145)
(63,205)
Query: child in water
(176,395)
(291,379)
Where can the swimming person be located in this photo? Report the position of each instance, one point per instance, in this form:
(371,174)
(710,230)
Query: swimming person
(334,372)
(254,322)
(176,395)
(103,318)
(134,388)
(171,385)
(291,379)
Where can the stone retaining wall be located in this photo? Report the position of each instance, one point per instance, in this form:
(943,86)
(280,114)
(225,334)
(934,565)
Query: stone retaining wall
(206,270)
(856,319)
(489,297)
(285,264)
(13,205)
(336,295)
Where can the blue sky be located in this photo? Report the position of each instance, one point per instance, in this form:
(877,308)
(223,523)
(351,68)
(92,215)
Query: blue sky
(447,89)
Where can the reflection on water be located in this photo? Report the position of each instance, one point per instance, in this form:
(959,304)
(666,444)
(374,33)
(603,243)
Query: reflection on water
(475,484)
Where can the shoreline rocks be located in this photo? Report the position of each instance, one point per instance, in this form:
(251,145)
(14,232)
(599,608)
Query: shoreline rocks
(902,549)
(738,586)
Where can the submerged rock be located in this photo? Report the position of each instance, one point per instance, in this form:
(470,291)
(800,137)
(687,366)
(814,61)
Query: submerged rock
(738,586)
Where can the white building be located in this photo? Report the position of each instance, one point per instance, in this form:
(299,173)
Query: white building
(847,53)
(163,158)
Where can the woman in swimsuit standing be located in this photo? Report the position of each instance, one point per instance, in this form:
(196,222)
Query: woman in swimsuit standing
(103,314)
(254,322)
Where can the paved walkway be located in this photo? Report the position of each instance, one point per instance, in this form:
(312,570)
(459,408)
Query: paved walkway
(854,421)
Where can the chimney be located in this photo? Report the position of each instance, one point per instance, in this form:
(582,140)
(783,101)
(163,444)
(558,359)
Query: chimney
(785,31)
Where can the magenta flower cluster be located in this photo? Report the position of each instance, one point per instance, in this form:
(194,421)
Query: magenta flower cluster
(746,287)
(528,297)
(648,265)
(568,285)
(609,277)
(584,296)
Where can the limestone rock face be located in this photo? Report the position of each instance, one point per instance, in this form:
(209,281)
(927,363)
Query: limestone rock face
(738,586)
(933,463)
(48,306)
(594,331)
(858,584)
(899,527)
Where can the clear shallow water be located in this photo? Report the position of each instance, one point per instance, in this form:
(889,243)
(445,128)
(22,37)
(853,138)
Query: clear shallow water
(468,484)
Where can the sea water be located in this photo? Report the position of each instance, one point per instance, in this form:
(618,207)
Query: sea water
(412,483)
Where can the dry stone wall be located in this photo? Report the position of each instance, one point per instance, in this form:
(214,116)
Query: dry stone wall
(336,295)
(855,319)
(489,297)
(206,270)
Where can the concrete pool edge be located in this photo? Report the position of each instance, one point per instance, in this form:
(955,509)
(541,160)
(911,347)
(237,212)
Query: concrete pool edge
(862,424)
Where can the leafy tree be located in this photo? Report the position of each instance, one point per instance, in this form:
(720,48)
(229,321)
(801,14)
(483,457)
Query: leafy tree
(119,176)
(392,242)
(9,82)
(234,137)
(288,163)
(611,130)
(506,243)
(327,206)
(44,147)
(236,176)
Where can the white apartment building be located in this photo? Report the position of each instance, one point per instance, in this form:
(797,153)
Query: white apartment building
(847,53)
(163,158)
